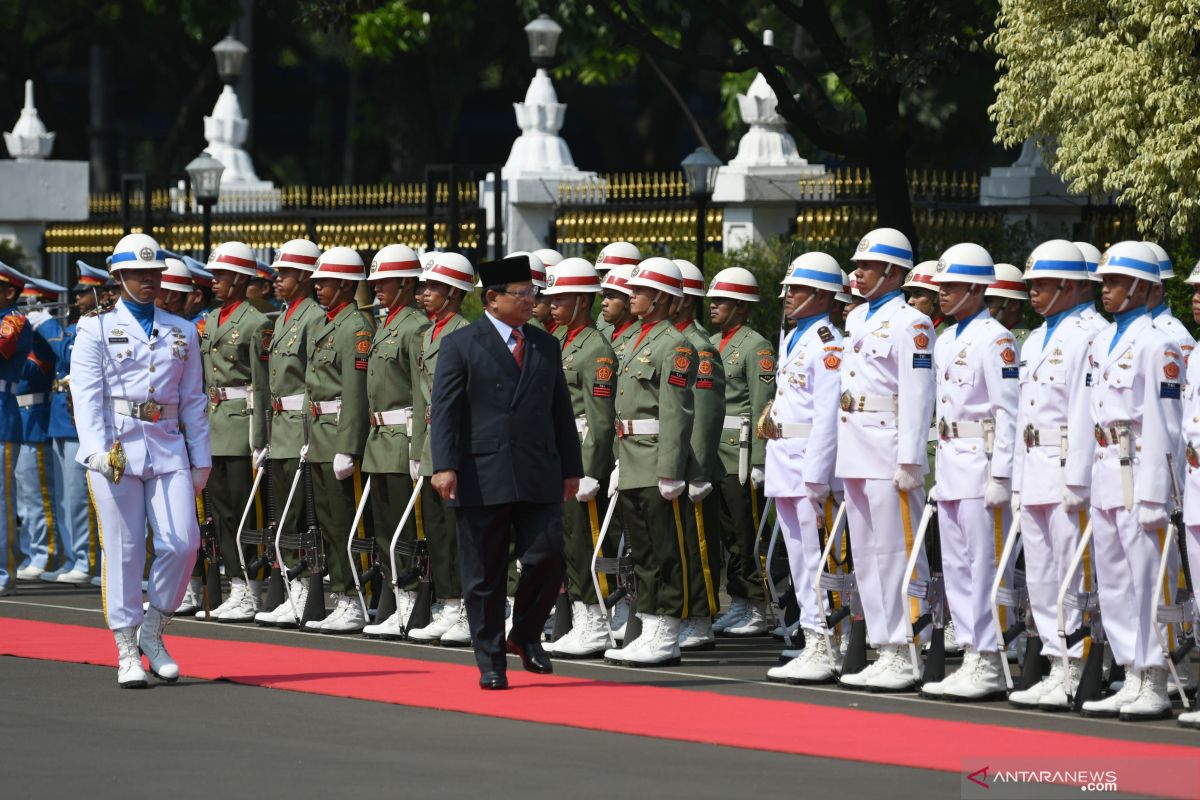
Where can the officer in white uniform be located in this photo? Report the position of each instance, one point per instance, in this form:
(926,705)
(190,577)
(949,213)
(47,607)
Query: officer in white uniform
(801,434)
(1137,374)
(1087,295)
(1191,435)
(1053,459)
(886,404)
(139,401)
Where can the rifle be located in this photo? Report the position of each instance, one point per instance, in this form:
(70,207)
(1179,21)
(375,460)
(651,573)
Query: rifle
(933,592)
(263,538)
(1183,610)
(210,557)
(1088,605)
(620,566)
(845,586)
(314,551)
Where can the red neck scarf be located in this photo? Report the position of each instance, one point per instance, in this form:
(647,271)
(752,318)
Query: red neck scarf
(332,313)
(225,311)
(725,337)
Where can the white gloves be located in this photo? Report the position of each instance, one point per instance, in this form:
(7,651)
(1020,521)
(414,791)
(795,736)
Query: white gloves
(200,478)
(38,318)
(261,454)
(908,477)
(1152,516)
(998,493)
(670,489)
(612,479)
(697,490)
(1075,498)
(816,493)
(343,466)
(1015,503)
(757,477)
(588,489)
(304,452)
(414,469)
(98,462)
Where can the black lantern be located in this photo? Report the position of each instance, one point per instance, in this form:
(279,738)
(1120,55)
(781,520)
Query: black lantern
(701,170)
(543,35)
(204,171)
(230,53)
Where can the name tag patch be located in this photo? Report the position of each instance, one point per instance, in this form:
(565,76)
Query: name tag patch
(118,340)
(922,360)
(1009,372)
(678,379)
(1171,391)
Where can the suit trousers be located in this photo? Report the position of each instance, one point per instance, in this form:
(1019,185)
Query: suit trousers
(1049,538)
(390,492)
(881,540)
(485,535)
(1126,576)
(702,536)
(168,503)
(798,524)
(229,486)
(742,572)
(438,524)
(654,533)
(969,568)
(335,502)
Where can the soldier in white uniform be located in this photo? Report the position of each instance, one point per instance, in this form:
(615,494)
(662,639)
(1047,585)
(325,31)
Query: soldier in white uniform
(1053,459)
(139,402)
(886,404)
(1191,435)
(1087,295)
(1136,376)
(801,434)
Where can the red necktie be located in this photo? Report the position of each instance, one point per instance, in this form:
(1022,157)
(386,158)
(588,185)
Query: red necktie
(519,350)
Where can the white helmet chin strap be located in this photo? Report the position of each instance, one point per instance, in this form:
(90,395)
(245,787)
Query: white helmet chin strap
(961,300)
(1129,295)
(794,315)
(887,270)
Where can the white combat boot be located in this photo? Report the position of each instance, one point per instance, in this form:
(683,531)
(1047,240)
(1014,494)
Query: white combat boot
(696,633)
(392,628)
(659,648)
(130,674)
(811,666)
(1152,701)
(459,634)
(984,682)
(1032,697)
(1061,696)
(151,644)
(317,625)
(439,623)
(1111,706)
(1189,719)
(622,654)
(934,690)
(738,606)
(347,616)
(248,607)
(289,612)
(858,680)
(895,674)
(752,623)
(590,636)
(237,590)
(569,639)
(193,598)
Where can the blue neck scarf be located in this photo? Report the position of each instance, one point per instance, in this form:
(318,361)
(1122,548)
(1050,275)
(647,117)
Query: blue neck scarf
(142,312)
(802,324)
(1053,320)
(876,303)
(1124,319)
(963,323)
(1159,310)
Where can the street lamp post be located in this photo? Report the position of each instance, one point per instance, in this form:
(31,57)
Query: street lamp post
(204,171)
(701,170)
(543,35)
(229,53)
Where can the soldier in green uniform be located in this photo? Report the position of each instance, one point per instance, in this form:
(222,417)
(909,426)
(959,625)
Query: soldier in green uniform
(617,322)
(654,429)
(335,384)
(591,370)
(395,272)
(287,365)
(1006,299)
(447,279)
(749,362)
(233,350)
(702,520)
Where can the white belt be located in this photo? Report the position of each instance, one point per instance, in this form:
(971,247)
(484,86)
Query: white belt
(219,394)
(1042,437)
(867,402)
(636,427)
(288,402)
(733,423)
(149,411)
(794,430)
(581,427)
(27,400)
(320,408)
(397,416)
(962,429)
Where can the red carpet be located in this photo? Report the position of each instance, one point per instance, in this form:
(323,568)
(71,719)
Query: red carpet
(677,714)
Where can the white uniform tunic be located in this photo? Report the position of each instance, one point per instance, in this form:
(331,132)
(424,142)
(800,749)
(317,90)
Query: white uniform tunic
(1137,382)
(976,370)
(804,410)
(115,362)
(1093,318)
(1053,412)
(887,384)
(1191,436)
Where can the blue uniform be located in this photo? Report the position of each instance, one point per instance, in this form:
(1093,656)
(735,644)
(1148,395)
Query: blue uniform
(16,339)
(33,486)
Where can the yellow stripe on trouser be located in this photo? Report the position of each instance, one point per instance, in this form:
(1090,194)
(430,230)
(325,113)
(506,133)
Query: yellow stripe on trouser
(93,539)
(914,605)
(836,601)
(1087,575)
(8,507)
(51,538)
(703,541)
(998,535)
(104,563)
(1162,542)
(418,517)
(594,520)
(682,553)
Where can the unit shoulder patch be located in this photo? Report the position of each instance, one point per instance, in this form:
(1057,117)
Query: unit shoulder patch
(825,334)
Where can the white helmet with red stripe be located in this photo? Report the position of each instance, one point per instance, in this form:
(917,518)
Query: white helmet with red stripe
(618,254)
(549,257)
(1010,283)
(617,279)
(921,277)
(343,263)
(658,273)
(395,261)
(693,278)
(736,283)
(177,277)
(573,275)
(234,257)
(537,269)
(452,269)
(844,295)
(137,251)
(297,254)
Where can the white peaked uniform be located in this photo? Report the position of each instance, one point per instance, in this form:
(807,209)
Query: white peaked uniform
(887,377)
(805,409)
(977,384)
(114,364)
(1053,413)
(1137,383)
(1170,325)
(1191,435)
(1093,319)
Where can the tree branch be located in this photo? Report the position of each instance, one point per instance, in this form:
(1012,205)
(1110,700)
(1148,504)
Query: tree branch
(687,112)
(645,39)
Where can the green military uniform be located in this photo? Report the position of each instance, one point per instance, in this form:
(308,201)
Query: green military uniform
(590,367)
(287,366)
(656,375)
(702,523)
(437,519)
(234,355)
(337,371)
(749,362)
(385,459)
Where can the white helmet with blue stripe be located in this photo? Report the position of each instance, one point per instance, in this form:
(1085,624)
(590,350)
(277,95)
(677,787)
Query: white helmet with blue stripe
(138,251)
(965,263)
(815,269)
(1165,268)
(1130,258)
(1091,254)
(1057,258)
(887,245)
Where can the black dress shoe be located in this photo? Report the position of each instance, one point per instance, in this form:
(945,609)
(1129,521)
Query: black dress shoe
(493,680)
(533,657)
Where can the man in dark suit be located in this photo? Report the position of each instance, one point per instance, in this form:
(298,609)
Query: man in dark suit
(505,455)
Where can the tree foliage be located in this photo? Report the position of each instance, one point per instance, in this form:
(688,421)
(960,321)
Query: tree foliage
(1112,89)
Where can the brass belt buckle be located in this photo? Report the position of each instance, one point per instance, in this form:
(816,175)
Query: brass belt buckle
(1031,437)
(847,401)
(943,430)
(1193,458)
(152,411)
(1101,438)
(214,395)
